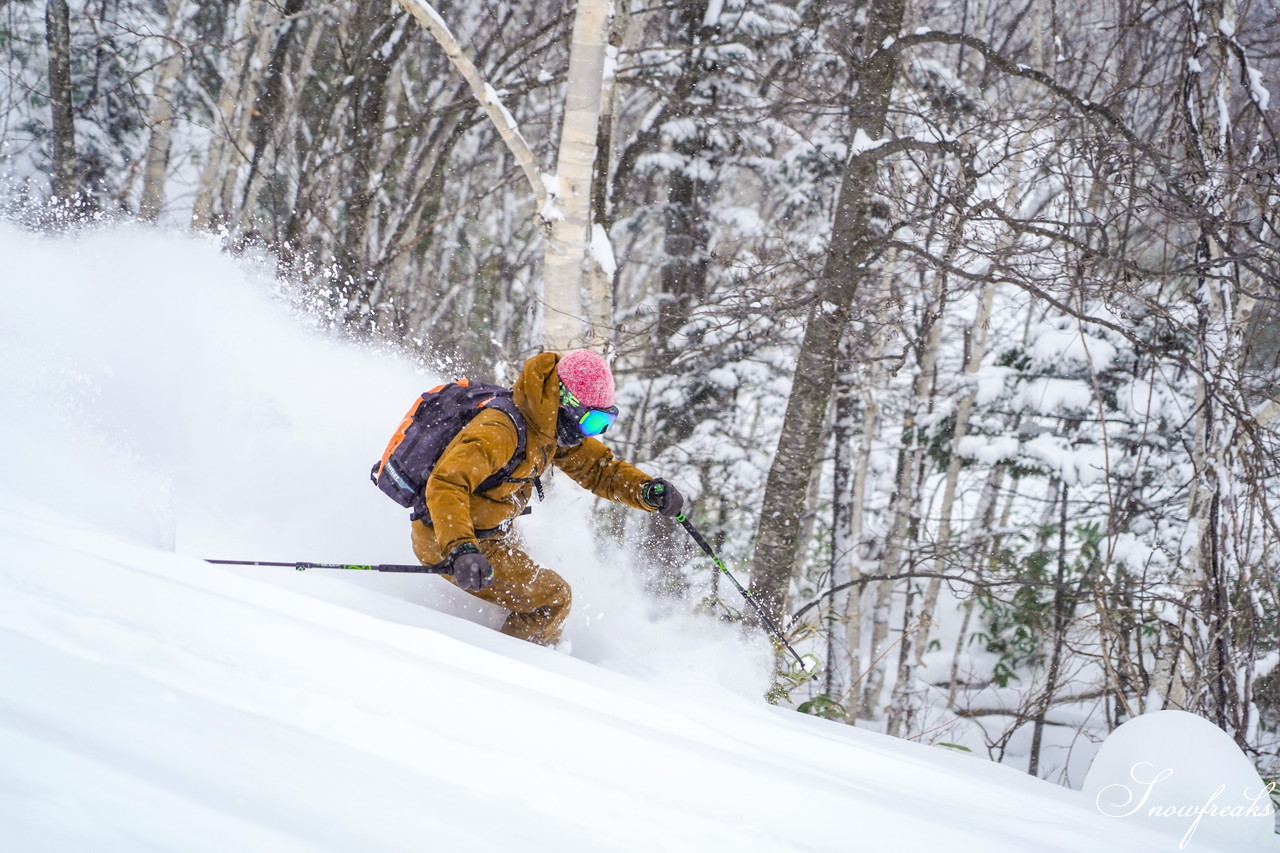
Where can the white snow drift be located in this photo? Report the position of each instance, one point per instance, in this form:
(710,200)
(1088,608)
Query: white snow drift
(162,404)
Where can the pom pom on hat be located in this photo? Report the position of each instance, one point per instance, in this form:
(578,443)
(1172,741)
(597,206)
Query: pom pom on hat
(587,377)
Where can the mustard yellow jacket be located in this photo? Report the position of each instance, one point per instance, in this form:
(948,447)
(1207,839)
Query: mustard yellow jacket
(489,441)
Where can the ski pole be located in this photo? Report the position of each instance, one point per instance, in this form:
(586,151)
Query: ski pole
(808,663)
(437,569)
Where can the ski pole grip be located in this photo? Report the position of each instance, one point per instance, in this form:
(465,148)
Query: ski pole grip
(444,568)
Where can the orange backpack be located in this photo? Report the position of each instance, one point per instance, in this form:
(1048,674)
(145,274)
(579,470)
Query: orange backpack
(435,418)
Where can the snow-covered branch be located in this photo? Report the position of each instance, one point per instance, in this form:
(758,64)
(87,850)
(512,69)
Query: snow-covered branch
(502,119)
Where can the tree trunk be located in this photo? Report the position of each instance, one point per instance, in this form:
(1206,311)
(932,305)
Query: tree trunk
(63,158)
(151,205)
(1223,312)
(778,548)
(156,165)
(1061,607)
(853,605)
(367,118)
(213,200)
(964,410)
(568,244)
(566,210)
(600,280)
(844,563)
(899,546)
(902,550)
(266,117)
(286,118)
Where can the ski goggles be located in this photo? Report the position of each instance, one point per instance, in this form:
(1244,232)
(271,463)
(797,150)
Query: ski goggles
(590,420)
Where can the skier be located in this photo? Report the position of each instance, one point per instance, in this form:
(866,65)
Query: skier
(566,402)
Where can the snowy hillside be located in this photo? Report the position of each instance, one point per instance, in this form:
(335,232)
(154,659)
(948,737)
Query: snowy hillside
(162,404)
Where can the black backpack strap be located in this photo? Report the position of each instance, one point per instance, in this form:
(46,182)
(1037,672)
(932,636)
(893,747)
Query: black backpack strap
(505,404)
(537,485)
(501,400)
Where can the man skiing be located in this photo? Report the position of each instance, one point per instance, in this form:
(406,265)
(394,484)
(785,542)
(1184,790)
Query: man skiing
(566,402)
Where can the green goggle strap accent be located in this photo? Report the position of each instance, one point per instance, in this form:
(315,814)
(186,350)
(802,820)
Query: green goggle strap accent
(592,421)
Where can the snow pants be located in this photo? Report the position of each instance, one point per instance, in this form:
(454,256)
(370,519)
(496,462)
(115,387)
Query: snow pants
(538,598)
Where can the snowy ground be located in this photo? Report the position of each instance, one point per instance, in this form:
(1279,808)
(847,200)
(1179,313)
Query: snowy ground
(161,405)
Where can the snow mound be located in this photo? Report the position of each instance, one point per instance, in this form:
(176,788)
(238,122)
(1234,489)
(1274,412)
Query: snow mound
(1180,774)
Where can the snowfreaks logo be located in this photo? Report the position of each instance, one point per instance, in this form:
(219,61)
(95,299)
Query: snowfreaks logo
(1121,800)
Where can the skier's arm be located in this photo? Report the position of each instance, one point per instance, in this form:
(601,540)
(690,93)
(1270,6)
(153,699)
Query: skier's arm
(593,466)
(477,452)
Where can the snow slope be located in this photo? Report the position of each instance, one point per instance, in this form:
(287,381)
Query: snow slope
(162,403)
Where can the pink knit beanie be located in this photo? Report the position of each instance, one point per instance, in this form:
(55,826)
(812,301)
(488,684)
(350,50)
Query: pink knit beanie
(587,377)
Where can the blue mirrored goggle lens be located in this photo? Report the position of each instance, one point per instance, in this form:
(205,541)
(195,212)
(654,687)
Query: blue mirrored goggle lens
(596,421)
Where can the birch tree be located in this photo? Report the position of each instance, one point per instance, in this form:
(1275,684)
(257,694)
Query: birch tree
(156,165)
(1221,554)
(249,31)
(563,196)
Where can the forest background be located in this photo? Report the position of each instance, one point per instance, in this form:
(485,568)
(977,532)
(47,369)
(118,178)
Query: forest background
(956,319)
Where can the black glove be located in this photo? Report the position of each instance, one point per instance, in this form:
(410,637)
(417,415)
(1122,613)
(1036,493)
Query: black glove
(663,497)
(470,568)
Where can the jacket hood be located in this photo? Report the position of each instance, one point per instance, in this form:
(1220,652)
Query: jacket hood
(536,393)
